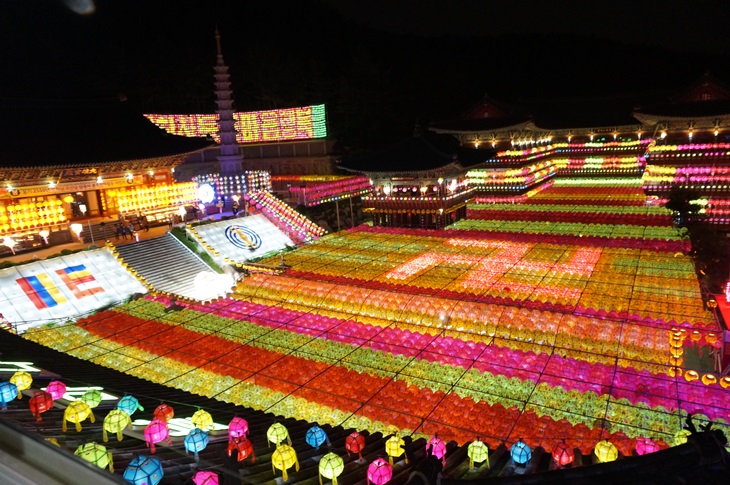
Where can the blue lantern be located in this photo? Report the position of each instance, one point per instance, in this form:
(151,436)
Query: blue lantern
(196,441)
(129,405)
(520,452)
(315,437)
(143,470)
(8,392)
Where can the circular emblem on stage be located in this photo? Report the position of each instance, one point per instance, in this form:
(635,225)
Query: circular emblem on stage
(243,237)
(206,193)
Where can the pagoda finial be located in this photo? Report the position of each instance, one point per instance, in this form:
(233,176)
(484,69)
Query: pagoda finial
(218,41)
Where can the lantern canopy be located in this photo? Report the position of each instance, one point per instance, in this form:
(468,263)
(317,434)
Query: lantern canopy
(76,412)
(92,397)
(244,448)
(96,454)
(330,466)
(605,451)
(437,448)
(165,412)
(315,437)
(355,443)
(195,441)
(645,446)
(22,381)
(143,470)
(205,477)
(394,448)
(477,452)
(129,405)
(283,458)
(156,432)
(379,472)
(520,453)
(237,428)
(563,455)
(56,389)
(8,392)
(40,403)
(202,419)
(115,422)
(277,433)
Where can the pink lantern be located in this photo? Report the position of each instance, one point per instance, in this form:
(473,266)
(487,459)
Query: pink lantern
(355,443)
(237,428)
(164,412)
(155,432)
(56,389)
(645,446)
(205,477)
(379,472)
(437,448)
(563,455)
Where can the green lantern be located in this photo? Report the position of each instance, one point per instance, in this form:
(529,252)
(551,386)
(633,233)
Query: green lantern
(478,452)
(92,397)
(277,433)
(115,422)
(330,466)
(96,454)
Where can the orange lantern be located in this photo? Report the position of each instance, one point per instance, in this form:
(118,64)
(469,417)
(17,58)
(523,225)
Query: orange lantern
(691,375)
(709,379)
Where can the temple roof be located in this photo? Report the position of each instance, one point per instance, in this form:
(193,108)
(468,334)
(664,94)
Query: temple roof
(56,132)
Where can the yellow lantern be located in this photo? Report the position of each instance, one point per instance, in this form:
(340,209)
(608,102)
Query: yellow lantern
(680,437)
(605,451)
(477,452)
(330,466)
(709,379)
(68,199)
(277,433)
(691,375)
(22,381)
(725,382)
(76,412)
(695,336)
(284,458)
(202,419)
(115,422)
(394,448)
(711,338)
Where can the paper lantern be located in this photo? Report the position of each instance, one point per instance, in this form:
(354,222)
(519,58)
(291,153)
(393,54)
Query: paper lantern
(563,455)
(605,451)
(92,397)
(315,437)
(520,453)
(680,437)
(56,389)
(115,422)
(237,428)
(355,443)
(277,433)
(156,432)
(164,412)
(76,412)
(202,419)
(129,405)
(379,472)
(330,466)
(283,458)
(195,441)
(243,446)
(394,448)
(40,403)
(22,381)
(205,477)
(8,392)
(477,452)
(437,448)
(96,454)
(143,470)
(645,446)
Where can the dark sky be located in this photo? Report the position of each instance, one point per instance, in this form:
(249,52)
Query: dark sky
(379,65)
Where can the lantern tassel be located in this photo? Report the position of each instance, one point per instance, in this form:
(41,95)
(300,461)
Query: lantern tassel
(91,416)
(334,481)
(119,435)
(320,479)
(390,460)
(284,475)
(111,461)
(471,463)
(63,426)
(104,435)
(253,457)
(78,426)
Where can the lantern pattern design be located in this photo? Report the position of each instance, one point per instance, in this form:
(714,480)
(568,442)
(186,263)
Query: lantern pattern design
(196,441)
(283,458)
(563,455)
(237,428)
(165,412)
(277,433)
(205,477)
(115,422)
(315,437)
(156,432)
(40,403)
(144,470)
(355,443)
(8,392)
(379,472)
(244,448)
(76,412)
(96,454)
(680,437)
(202,419)
(520,453)
(394,447)
(92,397)
(129,404)
(436,447)
(477,452)
(605,451)
(645,446)
(56,389)
(22,381)
(331,466)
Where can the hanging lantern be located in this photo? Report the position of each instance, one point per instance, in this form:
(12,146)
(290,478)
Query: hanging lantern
(156,432)
(202,419)
(244,448)
(355,443)
(605,451)
(277,433)
(394,448)
(143,470)
(680,437)
(115,422)
(477,452)
(437,448)
(315,437)
(330,466)
(96,454)
(92,397)
(237,428)
(8,392)
(40,403)
(164,412)
(563,455)
(76,412)
(205,477)
(283,458)
(129,405)
(56,389)
(520,453)
(645,446)
(195,441)
(379,472)
(22,381)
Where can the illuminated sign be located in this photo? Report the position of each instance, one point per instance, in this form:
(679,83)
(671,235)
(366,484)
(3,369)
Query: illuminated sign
(179,427)
(243,237)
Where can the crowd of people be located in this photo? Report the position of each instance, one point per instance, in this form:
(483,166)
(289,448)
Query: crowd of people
(126,227)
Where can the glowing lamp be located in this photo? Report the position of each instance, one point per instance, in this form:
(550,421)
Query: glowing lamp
(645,446)
(206,193)
(195,441)
(283,458)
(9,242)
(205,477)
(237,428)
(68,199)
(379,472)
(695,336)
(330,466)
(563,455)
(277,433)
(40,403)
(355,443)
(394,448)
(437,448)
(77,228)
(680,437)
(202,419)
(164,412)
(143,470)
(520,453)
(315,437)
(77,412)
(8,392)
(691,375)
(115,422)
(129,405)
(92,397)
(96,454)
(477,452)
(243,446)
(605,451)
(22,381)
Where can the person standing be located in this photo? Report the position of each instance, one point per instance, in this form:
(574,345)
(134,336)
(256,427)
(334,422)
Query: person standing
(123,231)
(130,229)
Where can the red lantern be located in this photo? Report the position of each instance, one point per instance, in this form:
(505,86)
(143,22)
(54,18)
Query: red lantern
(563,455)
(40,403)
(155,432)
(355,443)
(164,412)
(244,448)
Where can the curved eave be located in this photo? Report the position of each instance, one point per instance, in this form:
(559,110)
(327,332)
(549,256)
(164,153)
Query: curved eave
(449,168)
(451,131)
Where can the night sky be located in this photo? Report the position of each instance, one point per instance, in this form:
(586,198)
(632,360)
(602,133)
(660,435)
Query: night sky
(378,65)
